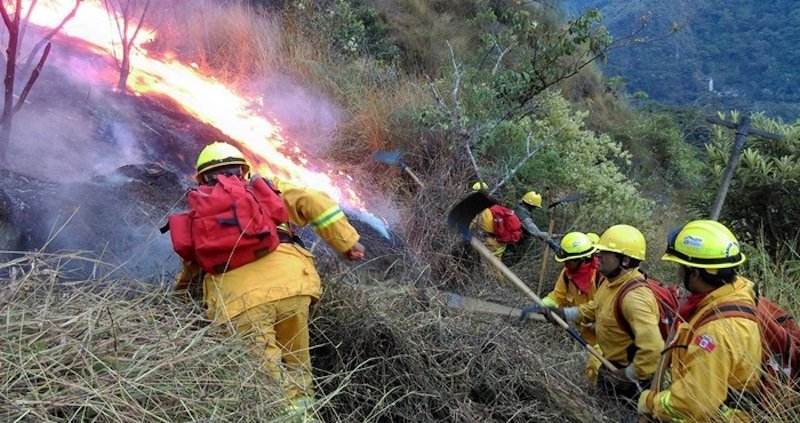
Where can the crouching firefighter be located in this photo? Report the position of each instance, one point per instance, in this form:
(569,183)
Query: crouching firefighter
(257,279)
(714,360)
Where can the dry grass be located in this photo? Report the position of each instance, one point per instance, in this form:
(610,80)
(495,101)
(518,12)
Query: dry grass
(126,351)
(116,351)
(374,124)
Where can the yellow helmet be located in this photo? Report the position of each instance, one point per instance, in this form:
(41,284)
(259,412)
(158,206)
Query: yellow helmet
(219,154)
(593,237)
(705,244)
(575,245)
(532,198)
(480,186)
(623,239)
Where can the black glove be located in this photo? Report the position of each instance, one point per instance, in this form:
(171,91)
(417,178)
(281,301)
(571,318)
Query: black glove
(550,311)
(617,384)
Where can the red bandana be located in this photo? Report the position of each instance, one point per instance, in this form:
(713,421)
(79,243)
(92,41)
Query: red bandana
(687,308)
(582,275)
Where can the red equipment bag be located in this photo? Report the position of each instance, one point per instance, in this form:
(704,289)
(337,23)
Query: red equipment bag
(666,297)
(229,224)
(507,226)
(780,338)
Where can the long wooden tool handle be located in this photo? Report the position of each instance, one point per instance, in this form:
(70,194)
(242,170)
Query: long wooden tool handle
(545,254)
(414,177)
(494,261)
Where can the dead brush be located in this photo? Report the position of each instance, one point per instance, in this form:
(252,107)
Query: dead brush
(117,351)
(390,357)
(375,123)
(121,350)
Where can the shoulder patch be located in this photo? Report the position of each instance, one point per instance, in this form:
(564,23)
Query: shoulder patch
(705,342)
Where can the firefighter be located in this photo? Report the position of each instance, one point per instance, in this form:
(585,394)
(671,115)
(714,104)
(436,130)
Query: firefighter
(713,358)
(525,208)
(578,280)
(485,222)
(267,300)
(576,285)
(621,249)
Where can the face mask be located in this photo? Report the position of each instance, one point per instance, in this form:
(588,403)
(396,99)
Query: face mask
(572,266)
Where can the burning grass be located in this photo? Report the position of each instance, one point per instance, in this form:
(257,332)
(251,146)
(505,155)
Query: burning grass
(128,351)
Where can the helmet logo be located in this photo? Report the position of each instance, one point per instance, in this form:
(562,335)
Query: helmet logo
(692,242)
(731,245)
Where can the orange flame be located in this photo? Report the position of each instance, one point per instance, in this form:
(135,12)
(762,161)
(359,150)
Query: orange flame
(202,96)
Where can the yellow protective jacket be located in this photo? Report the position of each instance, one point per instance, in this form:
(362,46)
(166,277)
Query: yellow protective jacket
(286,272)
(566,294)
(706,361)
(485,222)
(640,309)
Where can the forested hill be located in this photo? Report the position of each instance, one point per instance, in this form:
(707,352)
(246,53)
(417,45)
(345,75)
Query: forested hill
(748,48)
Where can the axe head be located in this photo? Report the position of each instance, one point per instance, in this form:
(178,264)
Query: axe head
(461,214)
(567,199)
(388,157)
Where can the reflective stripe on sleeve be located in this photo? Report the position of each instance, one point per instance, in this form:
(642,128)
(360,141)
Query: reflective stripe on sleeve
(327,218)
(676,417)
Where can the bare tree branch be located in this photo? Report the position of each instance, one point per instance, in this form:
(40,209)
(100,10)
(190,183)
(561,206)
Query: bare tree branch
(47,38)
(499,58)
(530,153)
(26,20)
(34,76)
(139,24)
(6,18)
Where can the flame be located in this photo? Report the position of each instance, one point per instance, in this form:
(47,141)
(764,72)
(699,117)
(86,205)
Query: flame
(202,96)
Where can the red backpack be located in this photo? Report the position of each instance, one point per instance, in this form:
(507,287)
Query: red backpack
(666,297)
(507,226)
(780,338)
(229,224)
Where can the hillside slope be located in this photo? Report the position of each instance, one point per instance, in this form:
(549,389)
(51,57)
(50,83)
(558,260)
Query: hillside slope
(746,48)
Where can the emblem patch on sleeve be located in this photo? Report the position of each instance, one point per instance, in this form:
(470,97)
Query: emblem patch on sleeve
(705,342)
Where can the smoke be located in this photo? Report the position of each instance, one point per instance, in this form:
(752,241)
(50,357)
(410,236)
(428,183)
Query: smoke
(72,127)
(305,114)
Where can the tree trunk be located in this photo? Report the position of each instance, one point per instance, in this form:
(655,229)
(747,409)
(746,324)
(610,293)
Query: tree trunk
(124,70)
(8,97)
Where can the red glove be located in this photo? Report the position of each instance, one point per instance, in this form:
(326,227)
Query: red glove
(355,253)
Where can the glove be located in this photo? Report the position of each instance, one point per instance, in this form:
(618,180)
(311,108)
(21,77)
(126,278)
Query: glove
(616,383)
(641,405)
(533,308)
(549,311)
(553,246)
(355,253)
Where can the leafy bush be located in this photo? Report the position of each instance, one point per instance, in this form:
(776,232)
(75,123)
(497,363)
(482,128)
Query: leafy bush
(351,28)
(763,195)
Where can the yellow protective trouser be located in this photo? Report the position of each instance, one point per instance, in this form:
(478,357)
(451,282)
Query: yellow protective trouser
(279,332)
(593,365)
(497,250)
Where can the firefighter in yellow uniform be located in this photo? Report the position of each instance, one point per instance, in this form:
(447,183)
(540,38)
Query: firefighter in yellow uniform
(578,280)
(485,222)
(576,285)
(621,249)
(712,361)
(268,299)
